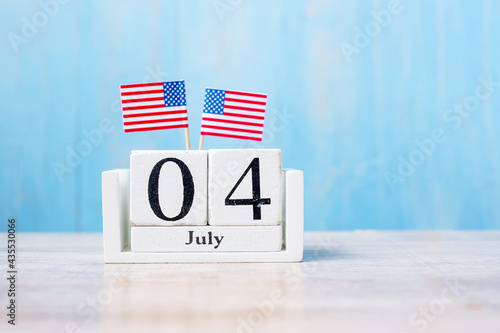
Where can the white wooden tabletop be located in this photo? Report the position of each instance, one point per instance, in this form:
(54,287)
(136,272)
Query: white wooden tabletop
(363,281)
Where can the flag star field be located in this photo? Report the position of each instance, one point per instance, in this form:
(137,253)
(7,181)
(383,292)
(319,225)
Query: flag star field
(154,106)
(233,114)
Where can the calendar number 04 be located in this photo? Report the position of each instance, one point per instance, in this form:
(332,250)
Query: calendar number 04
(188,190)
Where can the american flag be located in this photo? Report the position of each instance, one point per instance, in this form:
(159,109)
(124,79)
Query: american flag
(154,106)
(233,114)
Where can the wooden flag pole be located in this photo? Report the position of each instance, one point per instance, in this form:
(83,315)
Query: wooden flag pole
(188,144)
(201,142)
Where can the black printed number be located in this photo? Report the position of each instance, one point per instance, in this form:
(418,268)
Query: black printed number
(187,181)
(256,201)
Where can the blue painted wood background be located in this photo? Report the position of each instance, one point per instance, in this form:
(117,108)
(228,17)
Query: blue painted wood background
(357,90)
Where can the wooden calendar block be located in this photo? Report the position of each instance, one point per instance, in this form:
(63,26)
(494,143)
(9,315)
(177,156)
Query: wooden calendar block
(168,187)
(244,187)
(115,212)
(117,237)
(206,239)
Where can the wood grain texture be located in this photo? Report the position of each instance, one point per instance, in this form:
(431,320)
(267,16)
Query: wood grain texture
(363,281)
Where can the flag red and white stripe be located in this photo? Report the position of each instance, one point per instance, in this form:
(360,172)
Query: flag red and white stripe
(233,114)
(153,106)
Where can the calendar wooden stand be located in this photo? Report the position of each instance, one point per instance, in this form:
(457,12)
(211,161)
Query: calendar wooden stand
(117,228)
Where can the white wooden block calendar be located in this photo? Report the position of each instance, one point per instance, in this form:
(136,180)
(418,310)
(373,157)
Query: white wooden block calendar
(244,187)
(207,239)
(168,187)
(277,239)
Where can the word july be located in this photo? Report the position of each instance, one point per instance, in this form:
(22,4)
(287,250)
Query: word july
(202,240)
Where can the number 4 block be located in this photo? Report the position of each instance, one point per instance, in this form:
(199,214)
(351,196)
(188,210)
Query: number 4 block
(244,187)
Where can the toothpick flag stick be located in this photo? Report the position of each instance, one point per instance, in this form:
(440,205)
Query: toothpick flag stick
(233,114)
(186,133)
(202,137)
(154,106)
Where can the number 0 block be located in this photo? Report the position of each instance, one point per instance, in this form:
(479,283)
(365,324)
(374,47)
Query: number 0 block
(168,187)
(244,187)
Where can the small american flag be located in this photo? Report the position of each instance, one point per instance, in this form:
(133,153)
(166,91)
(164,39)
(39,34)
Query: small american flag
(233,114)
(154,106)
